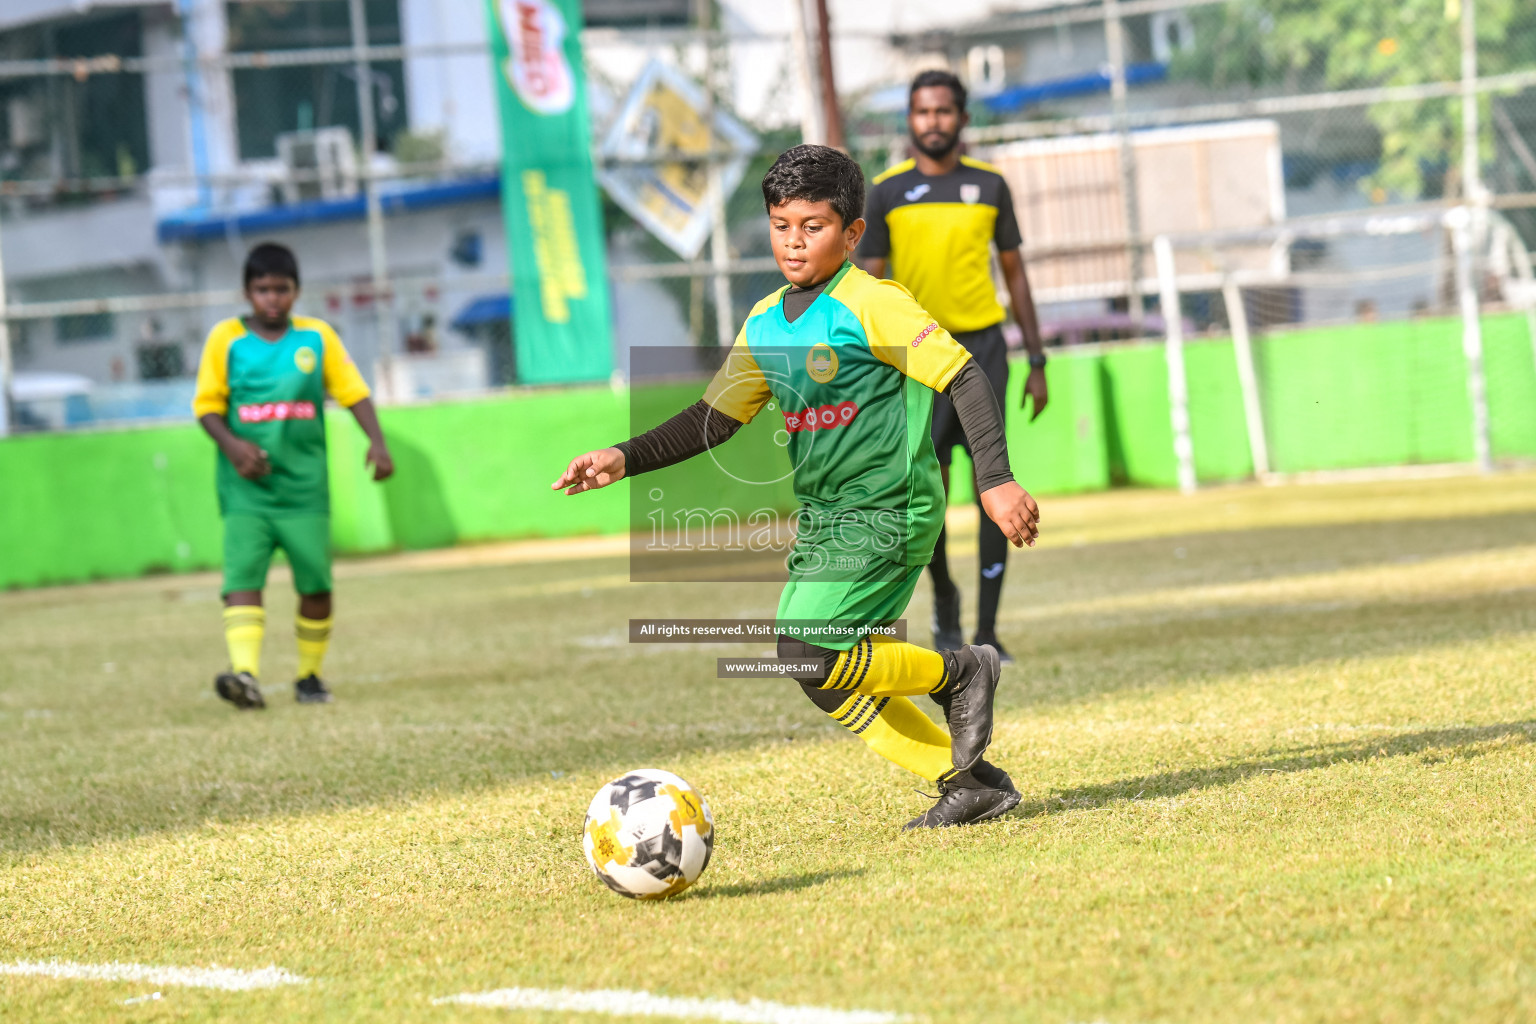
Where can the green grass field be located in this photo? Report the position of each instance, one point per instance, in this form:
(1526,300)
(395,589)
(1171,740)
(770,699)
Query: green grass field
(1275,747)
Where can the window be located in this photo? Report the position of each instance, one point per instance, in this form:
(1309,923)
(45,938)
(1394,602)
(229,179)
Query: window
(68,127)
(271,101)
(984,69)
(84,327)
(161,361)
(1172,32)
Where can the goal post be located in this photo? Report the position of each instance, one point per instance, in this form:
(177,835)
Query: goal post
(1363,348)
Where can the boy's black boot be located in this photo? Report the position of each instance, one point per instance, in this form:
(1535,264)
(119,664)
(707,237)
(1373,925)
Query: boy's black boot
(240,689)
(974,674)
(967,799)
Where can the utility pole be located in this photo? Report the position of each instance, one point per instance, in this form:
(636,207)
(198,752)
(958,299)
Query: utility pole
(1114,41)
(370,144)
(832,116)
(719,235)
(1471,170)
(813,127)
(5,358)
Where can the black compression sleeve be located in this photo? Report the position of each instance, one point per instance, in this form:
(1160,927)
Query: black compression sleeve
(982,422)
(691,432)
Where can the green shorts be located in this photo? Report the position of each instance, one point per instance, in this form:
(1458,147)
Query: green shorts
(250,540)
(849,608)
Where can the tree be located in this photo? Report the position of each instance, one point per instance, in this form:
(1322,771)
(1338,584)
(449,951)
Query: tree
(1313,45)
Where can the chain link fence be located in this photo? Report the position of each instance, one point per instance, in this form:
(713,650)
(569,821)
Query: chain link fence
(143,149)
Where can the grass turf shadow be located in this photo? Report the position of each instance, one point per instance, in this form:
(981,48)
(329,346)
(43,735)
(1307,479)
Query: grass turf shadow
(1068,661)
(770,886)
(1465,742)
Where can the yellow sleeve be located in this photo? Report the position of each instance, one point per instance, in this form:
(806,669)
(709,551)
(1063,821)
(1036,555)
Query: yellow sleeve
(900,332)
(337,371)
(212,395)
(739,389)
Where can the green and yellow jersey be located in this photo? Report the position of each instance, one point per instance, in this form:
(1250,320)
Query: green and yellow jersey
(272,393)
(854,378)
(938,234)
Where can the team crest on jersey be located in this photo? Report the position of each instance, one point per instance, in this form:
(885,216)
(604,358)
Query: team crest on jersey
(821,363)
(304,359)
(970,195)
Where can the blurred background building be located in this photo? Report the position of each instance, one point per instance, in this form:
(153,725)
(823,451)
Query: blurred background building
(145,146)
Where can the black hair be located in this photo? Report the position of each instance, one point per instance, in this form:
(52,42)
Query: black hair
(816,174)
(271,260)
(925,79)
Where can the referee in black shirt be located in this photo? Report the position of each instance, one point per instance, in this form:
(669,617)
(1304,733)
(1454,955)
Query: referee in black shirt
(932,223)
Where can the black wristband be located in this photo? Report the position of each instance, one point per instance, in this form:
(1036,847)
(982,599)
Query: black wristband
(1037,360)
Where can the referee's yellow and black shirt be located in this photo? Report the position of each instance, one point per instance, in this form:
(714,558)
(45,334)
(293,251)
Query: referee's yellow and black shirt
(937,234)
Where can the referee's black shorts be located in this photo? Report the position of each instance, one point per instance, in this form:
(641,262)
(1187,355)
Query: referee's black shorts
(990,351)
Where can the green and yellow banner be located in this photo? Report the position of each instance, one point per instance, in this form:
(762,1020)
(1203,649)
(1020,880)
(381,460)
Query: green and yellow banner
(548,193)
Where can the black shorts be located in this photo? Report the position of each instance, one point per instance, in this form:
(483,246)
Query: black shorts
(990,351)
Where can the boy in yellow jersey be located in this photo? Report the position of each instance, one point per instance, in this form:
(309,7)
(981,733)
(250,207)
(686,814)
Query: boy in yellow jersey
(933,221)
(852,364)
(261,388)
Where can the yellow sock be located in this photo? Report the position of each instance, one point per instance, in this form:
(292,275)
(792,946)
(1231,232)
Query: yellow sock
(244,626)
(897,730)
(882,667)
(314,637)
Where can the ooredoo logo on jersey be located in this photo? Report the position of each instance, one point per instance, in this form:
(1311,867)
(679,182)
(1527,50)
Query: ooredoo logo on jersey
(536,67)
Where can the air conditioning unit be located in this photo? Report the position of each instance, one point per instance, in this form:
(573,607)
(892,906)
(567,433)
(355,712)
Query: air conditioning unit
(27,121)
(317,164)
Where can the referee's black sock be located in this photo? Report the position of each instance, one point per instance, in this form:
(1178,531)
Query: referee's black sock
(938,565)
(994,561)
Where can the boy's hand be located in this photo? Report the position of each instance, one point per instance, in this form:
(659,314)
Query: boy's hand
(1010,507)
(378,457)
(249,458)
(1034,387)
(590,471)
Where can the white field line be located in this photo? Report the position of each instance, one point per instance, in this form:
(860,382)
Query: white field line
(618,1003)
(226,978)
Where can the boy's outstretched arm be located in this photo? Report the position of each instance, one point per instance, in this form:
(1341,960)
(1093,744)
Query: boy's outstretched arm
(378,452)
(691,432)
(590,471)
(1004,501)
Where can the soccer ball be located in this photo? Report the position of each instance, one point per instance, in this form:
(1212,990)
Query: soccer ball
(648,834)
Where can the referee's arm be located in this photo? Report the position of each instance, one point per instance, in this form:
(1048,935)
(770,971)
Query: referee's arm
(1023,303)
(1008,238)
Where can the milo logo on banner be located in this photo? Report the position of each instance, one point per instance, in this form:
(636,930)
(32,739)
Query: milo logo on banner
(536,67)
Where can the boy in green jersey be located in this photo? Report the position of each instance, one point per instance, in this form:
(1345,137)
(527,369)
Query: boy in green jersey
(261,388)
(852,363)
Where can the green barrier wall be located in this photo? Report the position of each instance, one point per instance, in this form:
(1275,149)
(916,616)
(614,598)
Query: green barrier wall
(102,505)
(112,504)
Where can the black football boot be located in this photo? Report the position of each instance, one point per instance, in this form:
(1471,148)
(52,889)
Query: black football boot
(240,689)
(311,690)
(990,640)
(968,709)
(966,799)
